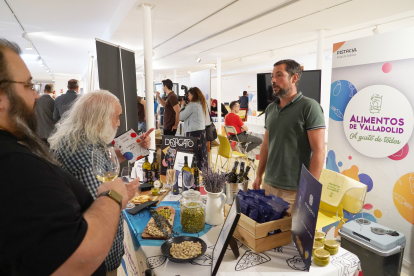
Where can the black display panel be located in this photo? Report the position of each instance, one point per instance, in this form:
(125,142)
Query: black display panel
(309,85)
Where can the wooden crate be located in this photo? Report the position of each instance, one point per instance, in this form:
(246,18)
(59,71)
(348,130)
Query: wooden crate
(255,235)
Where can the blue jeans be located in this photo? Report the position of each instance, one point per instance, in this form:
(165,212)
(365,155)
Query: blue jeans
(142,127)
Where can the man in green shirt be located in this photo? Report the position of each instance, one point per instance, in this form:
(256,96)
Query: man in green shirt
(295,135)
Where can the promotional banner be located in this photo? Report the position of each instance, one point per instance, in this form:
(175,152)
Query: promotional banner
(305,215)
(169,147)
(371,124)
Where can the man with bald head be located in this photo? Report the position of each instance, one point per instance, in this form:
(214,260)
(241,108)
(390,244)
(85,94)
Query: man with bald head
(53,226)
(64,102)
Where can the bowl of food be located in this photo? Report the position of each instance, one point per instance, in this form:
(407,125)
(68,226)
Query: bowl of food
(183,248)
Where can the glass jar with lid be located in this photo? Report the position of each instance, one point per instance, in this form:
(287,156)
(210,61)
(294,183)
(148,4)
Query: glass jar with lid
(321,257)
(332,246)
(192,212)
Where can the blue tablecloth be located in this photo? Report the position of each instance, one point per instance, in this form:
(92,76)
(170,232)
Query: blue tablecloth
(138,222)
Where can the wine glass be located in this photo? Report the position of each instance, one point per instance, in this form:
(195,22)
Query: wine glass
(126,176)
(105,164)
(188,179)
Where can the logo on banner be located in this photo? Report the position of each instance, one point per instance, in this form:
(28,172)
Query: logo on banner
(378,121)
(179,142)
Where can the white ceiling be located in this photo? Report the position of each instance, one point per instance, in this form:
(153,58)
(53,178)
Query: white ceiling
(64,32)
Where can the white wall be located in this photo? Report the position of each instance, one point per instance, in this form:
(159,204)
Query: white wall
(61,82)
(234,85)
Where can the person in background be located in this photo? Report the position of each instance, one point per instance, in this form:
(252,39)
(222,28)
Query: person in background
(232,119)
(194,116)
(142,122)
(294,135)
(171,108)
(90,125)
(64,102)
(44,113)
(214,108)
(68,232)
(244,100)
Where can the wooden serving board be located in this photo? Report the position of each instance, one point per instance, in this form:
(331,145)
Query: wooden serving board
(145,235)
(159,197)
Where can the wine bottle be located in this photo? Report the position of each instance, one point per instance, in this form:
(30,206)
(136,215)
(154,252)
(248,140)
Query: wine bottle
(245,176)
(146,171)
(185,168)
(241,171)
(155,169)
(232,178)
(195,172)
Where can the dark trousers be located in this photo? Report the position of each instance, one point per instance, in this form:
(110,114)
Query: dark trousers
(170,132)
(244,138)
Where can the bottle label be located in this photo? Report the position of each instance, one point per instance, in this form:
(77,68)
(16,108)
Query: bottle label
(144,175)
(155,175)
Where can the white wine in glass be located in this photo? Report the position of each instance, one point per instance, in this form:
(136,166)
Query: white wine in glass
(105,164)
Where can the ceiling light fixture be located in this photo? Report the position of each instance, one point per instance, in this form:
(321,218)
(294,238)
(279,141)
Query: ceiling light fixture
(47,70)
(198,59)
(29,46)
(240,60)
(215,66)
(376,30)
(271,54)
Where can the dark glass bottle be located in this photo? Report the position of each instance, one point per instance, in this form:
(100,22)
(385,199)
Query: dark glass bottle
(241,172)
(232,177)
(195,172)
(244,176)
(155,169)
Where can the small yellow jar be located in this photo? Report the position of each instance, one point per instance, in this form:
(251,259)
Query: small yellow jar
(317,245)
(331,246)
(320,237)
(154,191)
(321,257)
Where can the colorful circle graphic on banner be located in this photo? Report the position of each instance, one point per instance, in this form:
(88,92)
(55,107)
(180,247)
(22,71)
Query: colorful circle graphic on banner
(341,92)
(403,196)
(378,121)
(401,154)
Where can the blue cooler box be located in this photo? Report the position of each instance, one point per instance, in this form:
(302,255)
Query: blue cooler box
(380,252)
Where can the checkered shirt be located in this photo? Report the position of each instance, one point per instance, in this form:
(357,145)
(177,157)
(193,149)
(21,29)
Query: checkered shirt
(79,164)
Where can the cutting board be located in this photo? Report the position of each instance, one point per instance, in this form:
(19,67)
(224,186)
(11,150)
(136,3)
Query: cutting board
(153,198)
(145,235)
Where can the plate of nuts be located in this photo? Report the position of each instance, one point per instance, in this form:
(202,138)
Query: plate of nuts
(183,248)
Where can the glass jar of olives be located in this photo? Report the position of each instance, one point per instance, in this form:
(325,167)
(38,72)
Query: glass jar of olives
(192,212)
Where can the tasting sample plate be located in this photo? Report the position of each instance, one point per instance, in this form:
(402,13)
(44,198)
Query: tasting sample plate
(145,235)
(165,247)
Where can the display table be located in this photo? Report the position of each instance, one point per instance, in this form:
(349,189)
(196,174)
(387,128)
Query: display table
(283,260)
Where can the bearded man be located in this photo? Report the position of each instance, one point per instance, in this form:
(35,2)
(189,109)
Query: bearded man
(295,135)
(54,226)
(88,127)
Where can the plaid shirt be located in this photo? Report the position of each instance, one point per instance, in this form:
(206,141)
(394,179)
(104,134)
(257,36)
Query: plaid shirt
(79,164)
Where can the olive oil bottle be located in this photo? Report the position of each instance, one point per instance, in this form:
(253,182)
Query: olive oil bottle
(146,171)
(155,169)
(185,168)
(195,172)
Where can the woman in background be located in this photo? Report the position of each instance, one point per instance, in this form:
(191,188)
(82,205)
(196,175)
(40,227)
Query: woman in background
(194,116)
(214,109)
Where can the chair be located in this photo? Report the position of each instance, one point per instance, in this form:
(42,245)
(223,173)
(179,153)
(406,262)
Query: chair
(243,114)
(225,151)
(239,145)
(339,193)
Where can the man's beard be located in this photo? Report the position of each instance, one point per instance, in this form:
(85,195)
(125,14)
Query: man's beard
(110,136)
(24,124)
(282,93)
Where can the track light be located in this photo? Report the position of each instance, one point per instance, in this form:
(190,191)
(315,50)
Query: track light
(271,54)
(376,30)
(47,70)
(25,36)
(215,66)
(198,59)
(29,46)
(240,60)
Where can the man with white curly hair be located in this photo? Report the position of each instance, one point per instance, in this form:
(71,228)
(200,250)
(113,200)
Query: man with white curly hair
(90,125)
